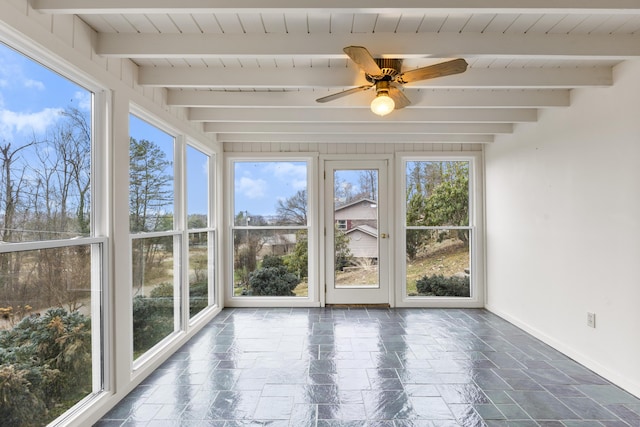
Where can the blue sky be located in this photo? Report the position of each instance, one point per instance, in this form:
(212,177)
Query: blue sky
(259,185)
(32,97)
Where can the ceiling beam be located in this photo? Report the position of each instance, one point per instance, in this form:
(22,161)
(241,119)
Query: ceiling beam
(391,45)
(361,115)
(309,78)
(332,6)
(342,138)
(431,98)
(361,128)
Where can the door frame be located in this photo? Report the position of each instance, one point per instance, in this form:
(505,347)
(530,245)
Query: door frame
(387,272)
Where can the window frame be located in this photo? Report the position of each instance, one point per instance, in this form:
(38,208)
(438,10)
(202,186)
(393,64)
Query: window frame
(313,298)
(210,229)
(180,232)
(177,232)
(100,217)
(475,226)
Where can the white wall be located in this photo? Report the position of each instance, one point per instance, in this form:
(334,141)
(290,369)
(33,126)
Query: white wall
(563,227)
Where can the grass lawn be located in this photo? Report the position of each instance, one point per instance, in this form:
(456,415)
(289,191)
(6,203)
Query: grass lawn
(446,259)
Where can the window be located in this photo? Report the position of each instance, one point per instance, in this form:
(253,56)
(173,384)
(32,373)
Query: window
(51,254)
(438,231)
(341,224)
(270,228)
(201,234)
(155,243)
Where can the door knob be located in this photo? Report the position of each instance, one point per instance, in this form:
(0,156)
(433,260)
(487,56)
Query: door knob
(383,235)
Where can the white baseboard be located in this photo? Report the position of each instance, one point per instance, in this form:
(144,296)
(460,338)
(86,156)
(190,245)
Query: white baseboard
(615,377)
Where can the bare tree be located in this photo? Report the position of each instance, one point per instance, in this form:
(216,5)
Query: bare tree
(293,210)
(342,191)
(150,192)
(49,189)
(13,184)
(75,141)
(368,180)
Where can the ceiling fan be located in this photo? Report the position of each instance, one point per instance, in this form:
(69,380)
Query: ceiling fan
(384,74)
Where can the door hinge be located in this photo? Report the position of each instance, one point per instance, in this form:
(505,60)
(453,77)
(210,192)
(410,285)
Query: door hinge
(324,174)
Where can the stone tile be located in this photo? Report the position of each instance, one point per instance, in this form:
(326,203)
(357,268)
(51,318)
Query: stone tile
(274,408)
(625,414)
(431,408)
(488,411)
(513,412)
(607,394)
(542,405)
(325,367)
(387,405)
(351,411)
(588,409)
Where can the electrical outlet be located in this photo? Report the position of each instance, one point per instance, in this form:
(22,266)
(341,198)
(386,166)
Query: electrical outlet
(591,320)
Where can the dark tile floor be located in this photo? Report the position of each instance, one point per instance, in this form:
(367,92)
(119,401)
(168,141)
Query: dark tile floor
(371,367)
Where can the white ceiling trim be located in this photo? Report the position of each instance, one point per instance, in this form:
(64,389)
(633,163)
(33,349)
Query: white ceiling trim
(361,128)
(325,115)
(308,78)
(276,138)
(452,98)
(332,6)
(390,45)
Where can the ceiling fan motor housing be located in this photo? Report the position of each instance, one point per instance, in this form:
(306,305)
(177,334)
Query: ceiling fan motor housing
(389,67)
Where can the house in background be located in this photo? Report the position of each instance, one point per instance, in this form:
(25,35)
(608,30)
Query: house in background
(357,212)
(363,242)
(278,244)
(358,220)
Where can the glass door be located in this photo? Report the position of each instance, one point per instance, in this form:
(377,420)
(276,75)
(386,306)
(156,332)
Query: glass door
(356,232)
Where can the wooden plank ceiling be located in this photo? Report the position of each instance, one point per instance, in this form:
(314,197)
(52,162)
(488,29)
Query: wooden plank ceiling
(251,70)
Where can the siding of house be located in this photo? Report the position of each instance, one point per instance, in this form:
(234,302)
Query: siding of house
(363,245)
(360,213)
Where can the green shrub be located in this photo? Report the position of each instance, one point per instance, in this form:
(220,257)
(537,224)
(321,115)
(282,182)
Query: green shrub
(163,290)
(441,286)
(270,261)
(273,279)
(45,367)
(152,318)
(198,297)
(20,400)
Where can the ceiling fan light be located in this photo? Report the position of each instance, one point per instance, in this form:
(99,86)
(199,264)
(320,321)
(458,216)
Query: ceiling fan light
(382,104)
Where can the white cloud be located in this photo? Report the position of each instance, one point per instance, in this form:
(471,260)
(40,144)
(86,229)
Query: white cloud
(84,100)
(34,84)
(289,172)
(11,121)
(251,188)
(299,184)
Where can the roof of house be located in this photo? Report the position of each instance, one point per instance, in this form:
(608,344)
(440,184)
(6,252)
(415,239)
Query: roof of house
(355,202)
(367,229)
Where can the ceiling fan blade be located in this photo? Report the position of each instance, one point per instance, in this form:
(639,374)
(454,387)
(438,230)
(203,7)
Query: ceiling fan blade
(398,97)
(448,68)
(343,93)
(361,56)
